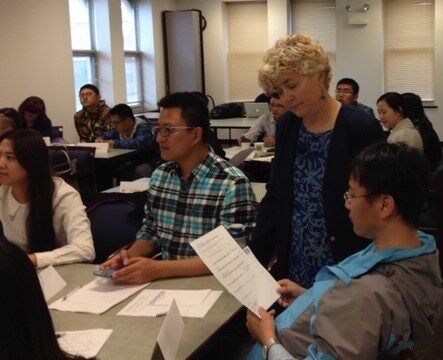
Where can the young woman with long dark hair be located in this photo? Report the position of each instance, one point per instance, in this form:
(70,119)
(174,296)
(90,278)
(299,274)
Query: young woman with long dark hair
(26,326)
(40,213)
(32,113)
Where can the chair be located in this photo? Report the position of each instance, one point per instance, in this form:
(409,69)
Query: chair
(75,164)
(112,226)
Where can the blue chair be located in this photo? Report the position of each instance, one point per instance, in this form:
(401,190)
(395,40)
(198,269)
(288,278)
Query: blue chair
(112,226)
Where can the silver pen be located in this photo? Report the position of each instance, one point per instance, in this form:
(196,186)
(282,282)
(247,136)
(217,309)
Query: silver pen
(70,293)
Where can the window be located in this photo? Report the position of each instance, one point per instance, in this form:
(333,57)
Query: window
(409,47)
(247,42)
(80,12)
(317,19)
(133,68)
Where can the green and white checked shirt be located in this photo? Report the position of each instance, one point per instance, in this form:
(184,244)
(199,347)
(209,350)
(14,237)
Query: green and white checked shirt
(179,211)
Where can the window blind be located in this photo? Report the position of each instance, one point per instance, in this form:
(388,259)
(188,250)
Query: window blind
(409,47)
(247,42)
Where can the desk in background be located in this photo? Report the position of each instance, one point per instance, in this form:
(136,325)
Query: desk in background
(230,124)
(134,338)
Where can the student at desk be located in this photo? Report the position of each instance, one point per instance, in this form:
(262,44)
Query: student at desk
(26,325)
(189,195)
(265,125)
(379,301)
(40,213)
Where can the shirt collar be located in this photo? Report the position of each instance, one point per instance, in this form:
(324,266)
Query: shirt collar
(198,172)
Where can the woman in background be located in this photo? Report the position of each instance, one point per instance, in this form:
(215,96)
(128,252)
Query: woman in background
(40,213)
(26,325)
(391,114)
(413,110)
(32,113)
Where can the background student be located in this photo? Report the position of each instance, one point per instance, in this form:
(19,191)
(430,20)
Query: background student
(40,213)
(32,113)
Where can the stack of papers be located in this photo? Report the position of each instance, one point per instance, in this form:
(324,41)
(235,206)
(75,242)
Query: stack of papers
(85,343)
(96,297)
(191,303)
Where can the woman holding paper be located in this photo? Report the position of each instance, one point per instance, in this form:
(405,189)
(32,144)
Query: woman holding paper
(41,214)
(26,325)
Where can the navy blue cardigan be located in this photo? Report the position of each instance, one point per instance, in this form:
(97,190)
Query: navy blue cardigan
(353,131)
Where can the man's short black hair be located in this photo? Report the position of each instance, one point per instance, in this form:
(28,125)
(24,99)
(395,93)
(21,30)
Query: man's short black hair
(352,82)
(123,111)
(91,87)
(396,170)
(193,106)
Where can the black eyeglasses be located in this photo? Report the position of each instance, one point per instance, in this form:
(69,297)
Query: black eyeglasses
(166,131)
(348,196)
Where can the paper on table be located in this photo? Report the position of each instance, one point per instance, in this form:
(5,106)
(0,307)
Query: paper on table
(133,186)
(51,282)
(85,343)
(96,297)
(238,271)
(148,302)
(171,333)
(101,148)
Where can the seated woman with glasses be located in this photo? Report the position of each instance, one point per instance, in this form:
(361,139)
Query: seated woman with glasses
(40,213)
(26,325)
(379,301)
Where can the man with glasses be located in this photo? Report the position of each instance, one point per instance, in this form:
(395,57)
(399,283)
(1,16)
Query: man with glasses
(193,192)
(347,93)
(376,303)
(93,119)
(132,133)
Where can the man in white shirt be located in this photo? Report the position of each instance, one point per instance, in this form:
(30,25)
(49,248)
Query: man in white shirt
(265,124)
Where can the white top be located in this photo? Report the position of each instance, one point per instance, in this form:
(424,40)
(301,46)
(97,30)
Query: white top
(405,132)
(71,225)
(265,125)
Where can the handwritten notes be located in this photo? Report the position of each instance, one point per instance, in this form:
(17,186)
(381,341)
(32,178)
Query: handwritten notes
(237,269)
(85,343)
(96,297)
(191,303)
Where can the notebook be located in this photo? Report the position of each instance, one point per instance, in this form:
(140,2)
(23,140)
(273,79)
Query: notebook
(255,109)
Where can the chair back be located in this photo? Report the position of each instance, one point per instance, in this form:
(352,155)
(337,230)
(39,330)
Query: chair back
(112,226)
(75,164)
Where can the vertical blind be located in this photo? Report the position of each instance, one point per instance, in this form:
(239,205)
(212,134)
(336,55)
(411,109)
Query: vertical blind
(409,46)
(247,42)
(317,19)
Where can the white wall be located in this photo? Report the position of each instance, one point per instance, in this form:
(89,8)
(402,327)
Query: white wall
(36,57)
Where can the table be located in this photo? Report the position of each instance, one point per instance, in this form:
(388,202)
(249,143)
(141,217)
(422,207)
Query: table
(134,338)
(233,123)
(106,163)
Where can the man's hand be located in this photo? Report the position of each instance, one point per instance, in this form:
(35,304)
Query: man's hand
(118,260)
(289,291)
(243,138)
(138,270)
(261,329)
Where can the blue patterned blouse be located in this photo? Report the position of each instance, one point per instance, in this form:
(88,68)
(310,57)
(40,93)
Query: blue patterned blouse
(310,248)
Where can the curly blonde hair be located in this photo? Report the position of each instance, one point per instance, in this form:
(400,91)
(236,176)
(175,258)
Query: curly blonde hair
(295,53)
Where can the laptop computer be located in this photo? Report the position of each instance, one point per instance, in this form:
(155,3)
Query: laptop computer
(255,109)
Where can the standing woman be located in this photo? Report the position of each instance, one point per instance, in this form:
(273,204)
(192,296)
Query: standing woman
(25,323)
(390,111)
(303,221)
(41,214)
(32,113)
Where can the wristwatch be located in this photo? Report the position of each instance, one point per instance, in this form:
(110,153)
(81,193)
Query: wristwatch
(267,346)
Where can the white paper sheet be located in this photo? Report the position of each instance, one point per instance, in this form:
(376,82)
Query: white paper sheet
(237,270)
(86,343)
(171,333)
(133,186)
(51,282)
(96,297)
(191,303)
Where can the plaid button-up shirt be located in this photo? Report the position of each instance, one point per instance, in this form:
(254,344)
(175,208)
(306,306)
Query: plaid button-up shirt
(179,211)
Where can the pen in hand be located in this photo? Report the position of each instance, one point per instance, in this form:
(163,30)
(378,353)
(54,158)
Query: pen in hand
(70,293)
